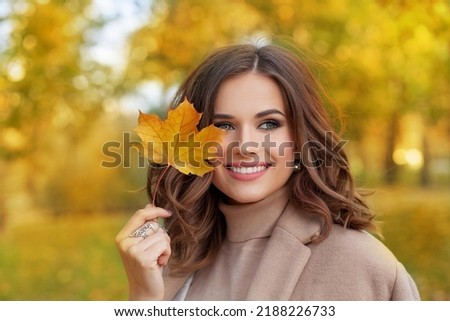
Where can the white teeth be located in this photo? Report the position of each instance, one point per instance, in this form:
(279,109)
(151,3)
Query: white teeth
(248,170)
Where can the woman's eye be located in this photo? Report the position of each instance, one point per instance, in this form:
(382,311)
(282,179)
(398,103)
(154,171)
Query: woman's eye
(270,124)
(225,126)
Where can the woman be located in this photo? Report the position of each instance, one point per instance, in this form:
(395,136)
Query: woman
(279,218)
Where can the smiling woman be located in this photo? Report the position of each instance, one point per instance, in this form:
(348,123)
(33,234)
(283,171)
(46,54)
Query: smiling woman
(279,218)
(250,108)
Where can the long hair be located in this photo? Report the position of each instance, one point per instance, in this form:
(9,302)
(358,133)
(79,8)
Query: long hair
(323,186)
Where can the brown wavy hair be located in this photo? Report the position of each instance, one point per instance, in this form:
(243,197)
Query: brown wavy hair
(325,187)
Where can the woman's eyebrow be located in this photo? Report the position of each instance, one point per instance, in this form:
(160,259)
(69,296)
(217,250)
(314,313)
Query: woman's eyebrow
(258,115)
(269,112)
(223,116)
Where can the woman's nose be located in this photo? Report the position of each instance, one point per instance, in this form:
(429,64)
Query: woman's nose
(248,141)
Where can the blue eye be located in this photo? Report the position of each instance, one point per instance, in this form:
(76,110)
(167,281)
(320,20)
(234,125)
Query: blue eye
(269,125)
(225,126)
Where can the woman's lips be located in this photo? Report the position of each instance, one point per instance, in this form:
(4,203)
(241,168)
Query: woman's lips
(247,170)
(247,173)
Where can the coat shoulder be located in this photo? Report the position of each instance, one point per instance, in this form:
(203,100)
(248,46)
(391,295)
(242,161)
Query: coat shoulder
(356,251)
(358,246)
(359,265)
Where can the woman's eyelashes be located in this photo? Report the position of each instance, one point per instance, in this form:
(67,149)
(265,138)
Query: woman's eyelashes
(269,124)
(265,125)
(224,125)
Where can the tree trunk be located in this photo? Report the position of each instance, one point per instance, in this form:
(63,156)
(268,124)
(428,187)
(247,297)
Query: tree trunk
(2,197)
(390,168)
(425,179)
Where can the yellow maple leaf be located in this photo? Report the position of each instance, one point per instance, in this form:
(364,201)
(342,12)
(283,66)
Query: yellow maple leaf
(177,142)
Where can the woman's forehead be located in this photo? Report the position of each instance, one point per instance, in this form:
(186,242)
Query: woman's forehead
(249,93)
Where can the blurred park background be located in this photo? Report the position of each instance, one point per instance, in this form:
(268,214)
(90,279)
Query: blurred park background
(74,73)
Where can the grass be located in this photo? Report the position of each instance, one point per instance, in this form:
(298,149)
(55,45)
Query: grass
(70,259)
(416,228)
(75,258)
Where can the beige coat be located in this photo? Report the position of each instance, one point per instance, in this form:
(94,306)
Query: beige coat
(348,265)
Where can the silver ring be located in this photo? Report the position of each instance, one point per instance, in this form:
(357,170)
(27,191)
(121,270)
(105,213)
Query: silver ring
(142,231)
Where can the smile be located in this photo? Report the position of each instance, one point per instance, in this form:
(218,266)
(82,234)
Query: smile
(247,170)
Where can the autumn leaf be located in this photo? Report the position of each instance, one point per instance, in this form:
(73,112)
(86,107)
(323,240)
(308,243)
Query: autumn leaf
(177,142)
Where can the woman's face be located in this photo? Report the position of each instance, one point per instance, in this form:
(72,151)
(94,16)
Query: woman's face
(258,143)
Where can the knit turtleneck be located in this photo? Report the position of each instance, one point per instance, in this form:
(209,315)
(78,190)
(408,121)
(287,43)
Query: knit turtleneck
(254,220)
(249,227)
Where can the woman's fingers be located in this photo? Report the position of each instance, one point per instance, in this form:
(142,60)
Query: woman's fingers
(149,213)
(144,247)
(152,251)
(143,267)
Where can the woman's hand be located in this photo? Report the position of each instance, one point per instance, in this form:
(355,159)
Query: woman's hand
(144,257)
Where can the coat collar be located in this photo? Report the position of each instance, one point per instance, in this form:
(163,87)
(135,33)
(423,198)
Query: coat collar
(285,256)
(282,261)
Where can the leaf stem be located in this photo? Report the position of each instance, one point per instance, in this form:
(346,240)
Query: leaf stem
(157,184)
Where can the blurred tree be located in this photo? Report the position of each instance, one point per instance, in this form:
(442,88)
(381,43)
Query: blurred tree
(386,53)
(409,47)
(49,92)
(42,76)
(382,53)
(180,33)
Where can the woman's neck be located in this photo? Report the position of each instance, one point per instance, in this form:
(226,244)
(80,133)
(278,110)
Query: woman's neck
(254,220)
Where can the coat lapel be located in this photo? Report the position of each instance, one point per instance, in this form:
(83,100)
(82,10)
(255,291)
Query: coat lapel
(281,263)
(285,256)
